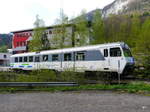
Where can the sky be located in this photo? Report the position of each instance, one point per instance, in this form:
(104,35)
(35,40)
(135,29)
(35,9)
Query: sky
(21,14)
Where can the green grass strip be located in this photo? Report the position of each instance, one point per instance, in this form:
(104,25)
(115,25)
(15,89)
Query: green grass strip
(130,88)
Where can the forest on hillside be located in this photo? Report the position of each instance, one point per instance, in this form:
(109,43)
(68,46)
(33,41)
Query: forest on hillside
(5,42)
(132,29)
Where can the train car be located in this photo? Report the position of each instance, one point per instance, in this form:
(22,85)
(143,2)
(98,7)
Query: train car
(110,57)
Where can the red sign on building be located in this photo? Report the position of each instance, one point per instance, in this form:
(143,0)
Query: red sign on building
(20,41)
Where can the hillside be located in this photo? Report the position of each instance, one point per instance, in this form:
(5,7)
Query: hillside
(5,40)
(126,7)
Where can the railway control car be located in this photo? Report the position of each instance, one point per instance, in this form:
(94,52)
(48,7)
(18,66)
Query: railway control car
(110,57)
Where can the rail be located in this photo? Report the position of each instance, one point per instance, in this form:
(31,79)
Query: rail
(36,84)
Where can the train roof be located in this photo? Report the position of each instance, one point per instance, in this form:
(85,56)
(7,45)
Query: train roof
(73,49)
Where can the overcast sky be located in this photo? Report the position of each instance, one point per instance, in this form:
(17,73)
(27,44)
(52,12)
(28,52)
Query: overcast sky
(20,14)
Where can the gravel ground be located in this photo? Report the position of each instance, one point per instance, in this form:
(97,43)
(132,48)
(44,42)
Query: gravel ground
(84,101)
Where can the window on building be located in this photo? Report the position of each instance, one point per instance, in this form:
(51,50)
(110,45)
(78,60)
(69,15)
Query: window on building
(16,35)
(23,43)
(80,56)
(45,57)
(20,59)
(20,43)
(5,56)
(50,32)
(55,57)
(17,43)
(16,59)
(23,34)
(25,59)
(105,52)
(67,57)
(115,52)
(37,58)
(30,58)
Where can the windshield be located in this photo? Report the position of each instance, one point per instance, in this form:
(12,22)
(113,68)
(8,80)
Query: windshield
(127,52)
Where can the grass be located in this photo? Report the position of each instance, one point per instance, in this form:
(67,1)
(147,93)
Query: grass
(137,87)
(48,76)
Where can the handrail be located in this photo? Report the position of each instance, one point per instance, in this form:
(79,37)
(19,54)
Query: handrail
(36,84)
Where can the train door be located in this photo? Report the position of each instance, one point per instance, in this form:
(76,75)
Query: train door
(106,59)
(68,62)
(56,62)
(115,58)
(37,62)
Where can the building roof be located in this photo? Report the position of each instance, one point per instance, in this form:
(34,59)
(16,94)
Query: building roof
(47,27)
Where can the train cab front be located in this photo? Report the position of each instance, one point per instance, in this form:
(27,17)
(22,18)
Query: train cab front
(130,61)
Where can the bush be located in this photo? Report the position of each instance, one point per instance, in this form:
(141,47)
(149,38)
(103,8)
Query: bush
(3,78)
(71,76)
(7,77)
(26,78)
(104,77)
(143,72)
(47,75)
(67,76)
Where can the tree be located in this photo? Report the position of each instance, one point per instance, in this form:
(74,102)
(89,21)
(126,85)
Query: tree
(144,40)
(135,31)
(3,49)
(81,30)
(143,45)
(97,28)
(61,37)
(39,39)
(39,22)
(112,26)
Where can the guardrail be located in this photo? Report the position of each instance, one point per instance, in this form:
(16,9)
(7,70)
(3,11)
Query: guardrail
(36,84)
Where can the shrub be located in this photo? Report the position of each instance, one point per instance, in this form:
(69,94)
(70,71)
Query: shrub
(105,78)
(7,76)
(71,76)
(67,76)
(47,75)
(26,78)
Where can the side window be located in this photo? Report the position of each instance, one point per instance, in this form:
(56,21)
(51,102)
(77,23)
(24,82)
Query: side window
(67,57)
(115,52)
(45,57)
(16,59)
(30,58)
(37,58)
(20,59)
(80,56)
(25,59)
(55,57)
(105,52)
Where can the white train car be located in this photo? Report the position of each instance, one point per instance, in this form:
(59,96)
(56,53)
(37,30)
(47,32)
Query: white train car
(111,57)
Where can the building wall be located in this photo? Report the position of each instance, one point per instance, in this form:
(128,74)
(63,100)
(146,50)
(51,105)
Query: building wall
(21,38)
(4,59)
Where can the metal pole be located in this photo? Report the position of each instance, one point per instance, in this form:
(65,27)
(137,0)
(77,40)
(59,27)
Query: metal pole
(119,79)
